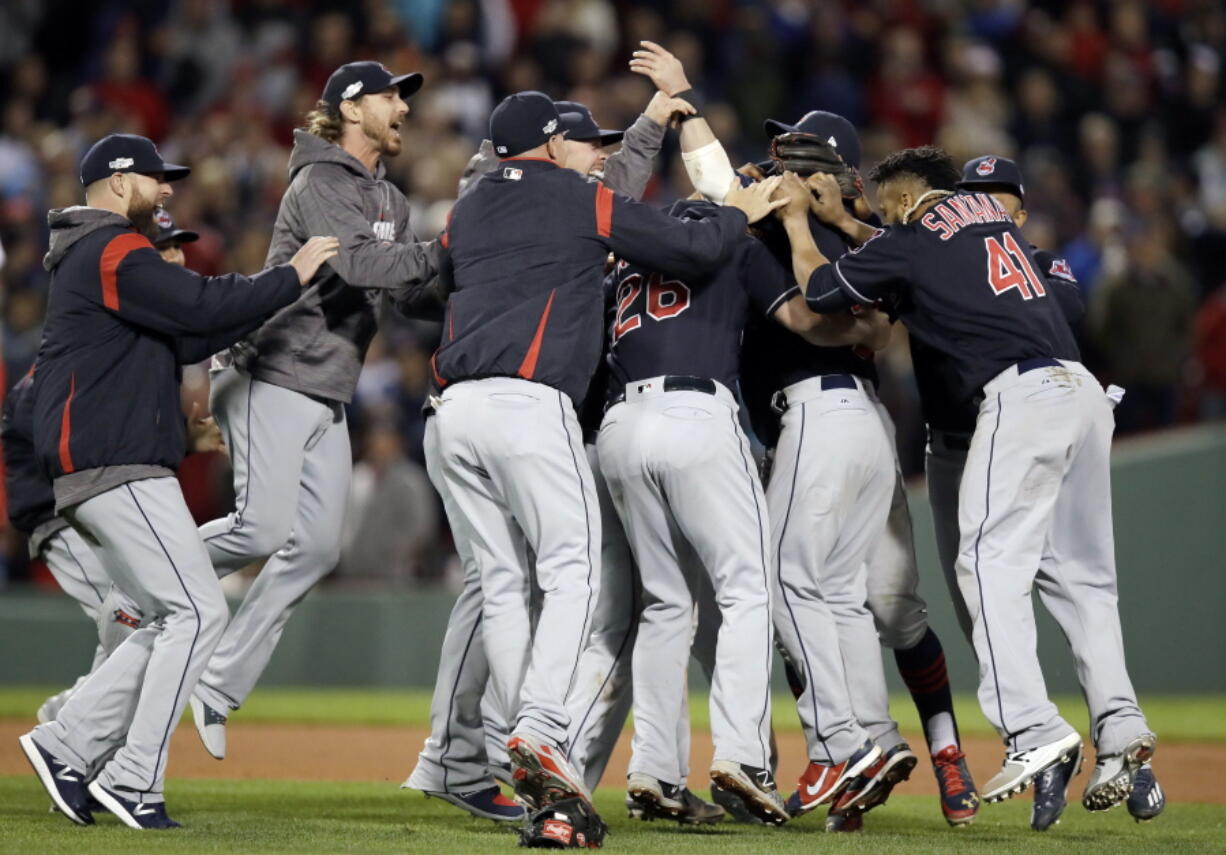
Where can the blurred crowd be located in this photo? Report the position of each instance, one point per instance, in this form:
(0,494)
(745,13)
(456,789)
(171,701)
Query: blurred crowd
(1114,110)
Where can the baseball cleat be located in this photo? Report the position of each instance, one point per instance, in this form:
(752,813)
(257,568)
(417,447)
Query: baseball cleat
(844,821)
(489,803)
(697,811)
(132,813)
(1022,767)
(1111,781)
(959,800)
(654,799)
(872,787)
(1051,791)
(756,787)
(542,774)
(211,725)
(733,805)
(821,783)
(65,785)
(1147,799)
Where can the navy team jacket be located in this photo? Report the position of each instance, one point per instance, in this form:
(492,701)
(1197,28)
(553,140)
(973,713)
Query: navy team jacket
(525,251)
(120,321)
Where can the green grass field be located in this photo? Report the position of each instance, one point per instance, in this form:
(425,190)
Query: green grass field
(251,816)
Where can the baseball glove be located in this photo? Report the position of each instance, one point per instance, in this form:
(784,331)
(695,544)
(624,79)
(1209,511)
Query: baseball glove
(568,824)
(806,154)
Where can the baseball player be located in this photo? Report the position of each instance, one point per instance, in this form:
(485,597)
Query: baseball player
(522,337)
(770,363)
(682,480)
(1035,490)
(120,321)
(452,765)
(280,396)
(951,424)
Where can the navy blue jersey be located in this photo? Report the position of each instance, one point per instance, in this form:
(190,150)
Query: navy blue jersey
(773,358)
(936,376)
(665,324)
(31,501)
(964,281)
(525,250)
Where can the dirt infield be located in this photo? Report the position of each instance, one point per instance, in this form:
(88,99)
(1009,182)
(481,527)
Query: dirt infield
(1189,771)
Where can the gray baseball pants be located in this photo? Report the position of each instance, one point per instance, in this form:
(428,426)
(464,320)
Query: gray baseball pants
(146,539)
(292,466)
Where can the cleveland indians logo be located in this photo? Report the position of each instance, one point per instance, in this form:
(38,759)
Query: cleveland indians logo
(987,167)
(1060,267)
(163,219)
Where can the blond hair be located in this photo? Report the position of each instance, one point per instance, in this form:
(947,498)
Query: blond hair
(324,122)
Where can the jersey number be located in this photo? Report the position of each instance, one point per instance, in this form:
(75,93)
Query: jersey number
(665,299)
(1008,268)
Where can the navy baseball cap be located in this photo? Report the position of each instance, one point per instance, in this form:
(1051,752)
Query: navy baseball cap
(127,153)
(991,170)
(523,121)
(355,79)
(831,127)
(577,122)
(167,233)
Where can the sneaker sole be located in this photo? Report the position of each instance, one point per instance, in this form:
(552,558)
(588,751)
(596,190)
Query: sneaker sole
(455,800)
(1117,790)
(755,802)
(1019,786)
(894,773)
(114,806)
(651,806)
(554,785)
(46,778)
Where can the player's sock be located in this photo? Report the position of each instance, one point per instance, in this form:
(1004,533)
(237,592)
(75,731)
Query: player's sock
(923,670)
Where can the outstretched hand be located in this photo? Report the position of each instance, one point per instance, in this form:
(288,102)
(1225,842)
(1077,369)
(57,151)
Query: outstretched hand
(757,200)
(664,69)
(662,109)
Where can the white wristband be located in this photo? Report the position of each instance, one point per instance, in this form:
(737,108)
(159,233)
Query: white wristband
(710,170)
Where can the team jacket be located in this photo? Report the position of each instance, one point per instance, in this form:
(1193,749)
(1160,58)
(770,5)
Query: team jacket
(525,251)
(316,346)
(31,501)
(120,321)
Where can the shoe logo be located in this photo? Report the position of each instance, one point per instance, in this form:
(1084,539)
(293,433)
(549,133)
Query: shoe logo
(143,809)
(66,774)
(814,789)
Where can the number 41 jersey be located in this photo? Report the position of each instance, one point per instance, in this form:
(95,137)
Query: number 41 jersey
(663,325)
(963,280)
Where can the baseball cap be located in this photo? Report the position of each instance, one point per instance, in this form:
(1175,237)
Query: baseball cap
(831,127)
(126,153)
(991,170)
(523,121)
(577,122)
(167,233)
(355,79)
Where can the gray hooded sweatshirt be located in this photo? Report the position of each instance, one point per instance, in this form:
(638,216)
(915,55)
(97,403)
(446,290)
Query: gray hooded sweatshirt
(317,344)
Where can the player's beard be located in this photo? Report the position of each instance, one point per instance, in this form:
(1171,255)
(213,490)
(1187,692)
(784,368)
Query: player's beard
(382,135)
(140,213)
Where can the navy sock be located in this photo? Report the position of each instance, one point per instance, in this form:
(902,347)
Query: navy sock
(922,668)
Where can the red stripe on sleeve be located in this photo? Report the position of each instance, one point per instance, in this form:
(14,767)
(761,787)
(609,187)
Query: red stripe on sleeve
(527,368)
(438,378)
(66,428)
(604,211)
(112,256)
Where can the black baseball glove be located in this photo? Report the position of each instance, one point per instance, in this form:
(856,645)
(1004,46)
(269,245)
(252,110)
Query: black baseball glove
(806,154)
(568,824)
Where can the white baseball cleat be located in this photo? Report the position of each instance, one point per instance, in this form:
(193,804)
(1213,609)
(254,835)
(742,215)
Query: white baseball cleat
(211,725)
(1111,781)
(1022,767)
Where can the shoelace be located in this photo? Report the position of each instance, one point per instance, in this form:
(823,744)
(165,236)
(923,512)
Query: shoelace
(951,774)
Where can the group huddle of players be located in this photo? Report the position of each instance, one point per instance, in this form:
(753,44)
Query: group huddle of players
(585,436)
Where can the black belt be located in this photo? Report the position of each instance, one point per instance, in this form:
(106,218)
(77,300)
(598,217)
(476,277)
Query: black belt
(675,383)
(1037,362)
(779,401)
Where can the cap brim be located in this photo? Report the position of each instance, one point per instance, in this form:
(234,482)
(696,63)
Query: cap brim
(774,128)
(174,172)
(408,84)
(184,236)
